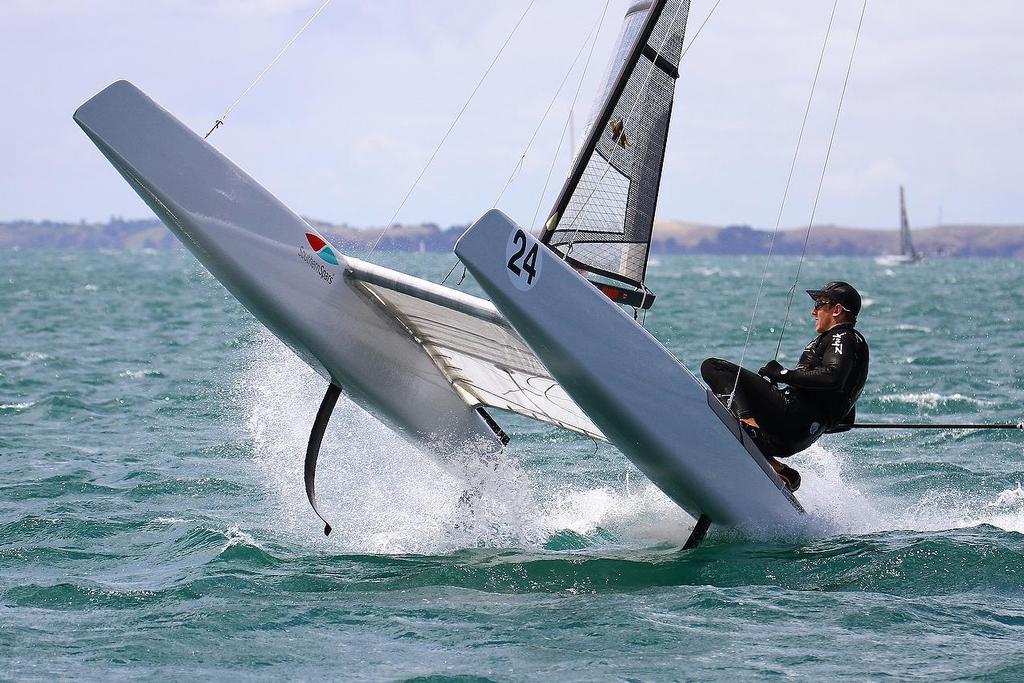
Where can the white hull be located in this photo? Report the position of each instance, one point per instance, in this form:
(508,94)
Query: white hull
(424,359)
(257,248)
(647,403)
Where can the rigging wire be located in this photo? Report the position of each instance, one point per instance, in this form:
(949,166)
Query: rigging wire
(220,121)
(629,117)
(554,160)
(626,120)
(572,106)
(451,127)
(551,104)
(782,205)
(821,179)
(594,33)
(445,278)
(937,425)
(699,29)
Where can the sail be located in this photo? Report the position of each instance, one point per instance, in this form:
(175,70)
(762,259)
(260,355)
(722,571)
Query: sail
(906,245)
(474,347)
(604,215)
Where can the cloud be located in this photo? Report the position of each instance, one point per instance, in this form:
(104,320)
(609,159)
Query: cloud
(363,97)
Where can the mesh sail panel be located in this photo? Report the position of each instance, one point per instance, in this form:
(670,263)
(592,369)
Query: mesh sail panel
(487,363)
(603,218)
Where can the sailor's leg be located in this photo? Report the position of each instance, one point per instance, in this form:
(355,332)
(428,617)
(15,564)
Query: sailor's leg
(720,376)
(762,401)
(753,397)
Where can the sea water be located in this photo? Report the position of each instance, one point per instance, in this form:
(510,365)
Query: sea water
(153,522)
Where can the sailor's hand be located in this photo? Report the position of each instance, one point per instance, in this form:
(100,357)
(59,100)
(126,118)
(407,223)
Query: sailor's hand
(773,370)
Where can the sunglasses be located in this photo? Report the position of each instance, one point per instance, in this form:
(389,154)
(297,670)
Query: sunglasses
(822,302)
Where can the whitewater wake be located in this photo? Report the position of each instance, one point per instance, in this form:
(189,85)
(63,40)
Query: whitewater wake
(383,495)
(837,505)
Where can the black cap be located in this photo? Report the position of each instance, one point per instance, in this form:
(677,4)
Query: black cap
(840,293)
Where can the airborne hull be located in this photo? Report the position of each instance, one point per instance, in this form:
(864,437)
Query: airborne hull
(282,270)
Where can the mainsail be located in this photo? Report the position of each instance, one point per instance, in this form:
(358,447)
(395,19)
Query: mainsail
(604,215)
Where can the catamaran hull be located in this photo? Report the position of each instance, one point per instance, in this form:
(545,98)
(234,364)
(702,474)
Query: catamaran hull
(647,403)
(282,270)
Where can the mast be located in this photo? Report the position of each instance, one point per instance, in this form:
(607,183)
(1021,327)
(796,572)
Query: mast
(604,215)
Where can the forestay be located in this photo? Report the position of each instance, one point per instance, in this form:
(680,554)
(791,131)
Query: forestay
(473,346)
(604,215)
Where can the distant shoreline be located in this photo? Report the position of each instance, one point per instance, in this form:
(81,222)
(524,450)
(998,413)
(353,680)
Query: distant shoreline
(670,237)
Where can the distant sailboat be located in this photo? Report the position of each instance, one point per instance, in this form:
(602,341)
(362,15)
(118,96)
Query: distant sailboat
(907,252)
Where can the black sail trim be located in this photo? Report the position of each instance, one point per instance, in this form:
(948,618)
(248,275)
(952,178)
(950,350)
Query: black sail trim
(597,130)
(660,61)
(603,273)
(628,297)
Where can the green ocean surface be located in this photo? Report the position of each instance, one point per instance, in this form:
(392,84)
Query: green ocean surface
(153,522)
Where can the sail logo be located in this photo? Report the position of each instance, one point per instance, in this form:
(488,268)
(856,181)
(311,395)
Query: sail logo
(321,248)
(323,252)
(618,128)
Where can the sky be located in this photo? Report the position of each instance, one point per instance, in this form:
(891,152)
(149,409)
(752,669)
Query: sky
(340,128)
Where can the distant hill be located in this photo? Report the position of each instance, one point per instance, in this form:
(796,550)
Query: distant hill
(1005,241)
(670,237)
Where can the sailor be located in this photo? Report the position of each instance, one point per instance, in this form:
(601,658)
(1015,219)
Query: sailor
(820,393)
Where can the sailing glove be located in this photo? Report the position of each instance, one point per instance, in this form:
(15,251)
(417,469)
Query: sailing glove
(773,370)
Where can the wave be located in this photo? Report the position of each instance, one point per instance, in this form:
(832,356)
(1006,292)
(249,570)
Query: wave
(167,521)
(1008,497)
(907,327)
(17,406)
(383,496)
(838,504)
(33,356)
(715,271)
(932,400)
(139,374)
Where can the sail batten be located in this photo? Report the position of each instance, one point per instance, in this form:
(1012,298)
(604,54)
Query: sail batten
(604,215)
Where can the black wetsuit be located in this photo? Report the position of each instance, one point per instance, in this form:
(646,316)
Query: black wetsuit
(820,397)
